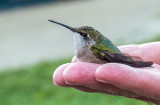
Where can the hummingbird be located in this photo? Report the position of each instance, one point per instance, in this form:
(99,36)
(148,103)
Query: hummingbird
(93,47)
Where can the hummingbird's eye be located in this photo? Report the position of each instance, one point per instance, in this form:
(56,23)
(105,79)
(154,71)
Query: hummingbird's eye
(83,34)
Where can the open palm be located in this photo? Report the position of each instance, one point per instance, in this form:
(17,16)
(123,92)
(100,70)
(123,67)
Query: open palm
(115,78)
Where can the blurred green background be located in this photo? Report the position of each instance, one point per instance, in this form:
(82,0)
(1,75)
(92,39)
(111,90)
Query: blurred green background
(31,48)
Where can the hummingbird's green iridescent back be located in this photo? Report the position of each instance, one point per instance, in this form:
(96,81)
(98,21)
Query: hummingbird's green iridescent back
(104,45)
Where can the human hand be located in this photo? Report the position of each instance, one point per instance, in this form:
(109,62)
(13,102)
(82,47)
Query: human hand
(115,78)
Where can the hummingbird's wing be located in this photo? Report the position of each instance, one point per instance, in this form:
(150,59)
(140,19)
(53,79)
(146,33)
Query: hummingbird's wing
(105,53)
(121,58)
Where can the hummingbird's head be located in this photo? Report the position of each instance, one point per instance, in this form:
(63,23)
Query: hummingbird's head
(89,33)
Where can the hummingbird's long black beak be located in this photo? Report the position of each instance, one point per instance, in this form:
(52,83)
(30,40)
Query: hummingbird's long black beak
(72,29)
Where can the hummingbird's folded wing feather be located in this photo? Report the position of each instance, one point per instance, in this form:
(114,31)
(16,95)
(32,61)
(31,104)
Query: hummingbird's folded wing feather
(108,55)
(121,58)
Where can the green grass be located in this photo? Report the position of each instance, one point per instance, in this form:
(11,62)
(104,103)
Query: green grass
(33,86)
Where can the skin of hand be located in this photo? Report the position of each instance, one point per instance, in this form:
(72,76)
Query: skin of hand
(115,78)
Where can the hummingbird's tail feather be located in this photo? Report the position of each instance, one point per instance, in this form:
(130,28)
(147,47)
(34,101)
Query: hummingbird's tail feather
(121,58)
(138,63)
(132,62)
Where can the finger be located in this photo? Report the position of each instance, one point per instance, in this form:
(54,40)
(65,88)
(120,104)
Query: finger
(83,74)
(148,51)
(137,80)
(83,88)
(89,90)
(59,81)
(74,59)
(58,76)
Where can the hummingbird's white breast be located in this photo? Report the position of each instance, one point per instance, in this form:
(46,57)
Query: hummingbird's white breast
(83,49)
